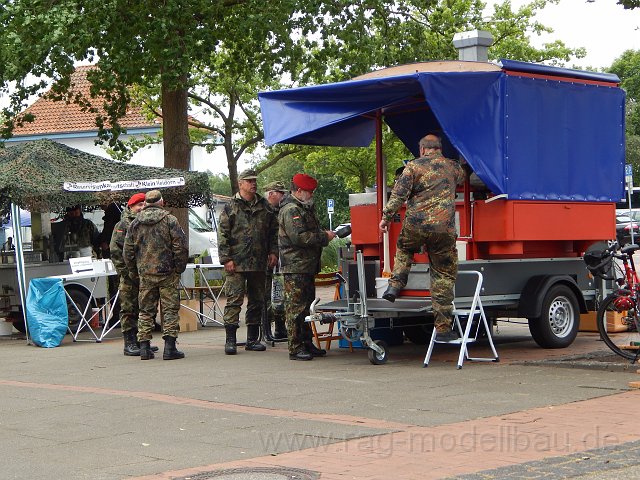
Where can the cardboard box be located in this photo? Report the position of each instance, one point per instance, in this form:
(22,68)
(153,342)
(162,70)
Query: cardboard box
(188,319)
(615,322)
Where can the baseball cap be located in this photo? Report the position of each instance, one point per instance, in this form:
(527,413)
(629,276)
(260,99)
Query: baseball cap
(248,174)
(153,196)
(275,187)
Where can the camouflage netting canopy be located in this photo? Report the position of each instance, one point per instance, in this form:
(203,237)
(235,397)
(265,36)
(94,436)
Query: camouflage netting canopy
(32,175)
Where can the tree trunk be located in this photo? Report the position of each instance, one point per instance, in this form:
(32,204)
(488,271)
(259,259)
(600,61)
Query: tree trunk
(177,148)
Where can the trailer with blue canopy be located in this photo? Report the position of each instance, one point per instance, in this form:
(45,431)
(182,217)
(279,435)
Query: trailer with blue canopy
(546,148)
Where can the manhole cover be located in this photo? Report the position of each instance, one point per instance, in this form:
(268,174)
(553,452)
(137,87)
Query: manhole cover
(258,473)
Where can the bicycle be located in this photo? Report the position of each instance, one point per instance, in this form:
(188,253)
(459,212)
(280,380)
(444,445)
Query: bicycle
(618,317)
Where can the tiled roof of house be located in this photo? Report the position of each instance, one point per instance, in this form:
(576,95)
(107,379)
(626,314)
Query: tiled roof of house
(61,117)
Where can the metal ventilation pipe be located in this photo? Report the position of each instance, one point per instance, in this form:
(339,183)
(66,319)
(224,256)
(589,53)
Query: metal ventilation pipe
(473,46)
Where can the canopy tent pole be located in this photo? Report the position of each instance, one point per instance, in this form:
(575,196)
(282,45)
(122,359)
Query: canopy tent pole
(22,287)
(381,191)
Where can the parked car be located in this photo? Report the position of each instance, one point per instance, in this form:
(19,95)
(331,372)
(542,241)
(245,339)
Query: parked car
(624,225)
(202,237)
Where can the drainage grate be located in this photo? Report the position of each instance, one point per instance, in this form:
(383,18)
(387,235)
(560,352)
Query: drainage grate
(258,473)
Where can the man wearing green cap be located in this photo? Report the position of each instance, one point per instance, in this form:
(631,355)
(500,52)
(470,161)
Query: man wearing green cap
(247,245)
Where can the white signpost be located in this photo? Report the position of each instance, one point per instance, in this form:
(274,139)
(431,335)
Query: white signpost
(330,211)
(628,178)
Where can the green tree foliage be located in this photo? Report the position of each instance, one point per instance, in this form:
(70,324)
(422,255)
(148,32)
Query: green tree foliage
(150,44)
(220,184)
(627,67)
(218,53)
(629,4)
(512,30)
(357,166)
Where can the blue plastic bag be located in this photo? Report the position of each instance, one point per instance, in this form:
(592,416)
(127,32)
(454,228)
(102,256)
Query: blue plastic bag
(47,314)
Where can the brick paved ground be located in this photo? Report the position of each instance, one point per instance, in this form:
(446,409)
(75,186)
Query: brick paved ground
(85,411)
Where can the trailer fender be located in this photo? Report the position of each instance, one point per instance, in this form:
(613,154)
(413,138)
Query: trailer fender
(532,295)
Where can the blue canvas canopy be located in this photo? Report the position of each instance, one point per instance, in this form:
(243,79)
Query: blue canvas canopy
(542,133)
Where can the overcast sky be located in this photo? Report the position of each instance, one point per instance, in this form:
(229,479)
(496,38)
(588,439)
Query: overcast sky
(604,28)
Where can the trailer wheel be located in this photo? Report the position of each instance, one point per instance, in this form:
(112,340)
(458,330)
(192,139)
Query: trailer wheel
(377,358)
(557,327)
(81,298)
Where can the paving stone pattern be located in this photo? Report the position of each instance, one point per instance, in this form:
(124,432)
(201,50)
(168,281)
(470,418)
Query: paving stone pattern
(569,466)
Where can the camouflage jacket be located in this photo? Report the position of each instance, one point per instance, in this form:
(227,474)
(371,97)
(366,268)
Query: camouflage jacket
(82,233)
(247,234)
(300,237)
(116,246)
(428,185)
(155,244)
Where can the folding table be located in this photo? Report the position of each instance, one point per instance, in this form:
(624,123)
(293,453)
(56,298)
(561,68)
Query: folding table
(214,312)
(87,312)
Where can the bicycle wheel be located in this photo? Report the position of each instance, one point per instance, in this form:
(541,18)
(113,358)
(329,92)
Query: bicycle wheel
(617,325)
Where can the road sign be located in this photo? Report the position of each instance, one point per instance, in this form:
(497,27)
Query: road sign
(329,205)
(628,173)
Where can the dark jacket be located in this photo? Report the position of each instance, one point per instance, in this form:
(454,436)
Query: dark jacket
(155,244)
(300,238)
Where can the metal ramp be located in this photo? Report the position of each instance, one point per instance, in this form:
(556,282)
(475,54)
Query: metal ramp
(467,336)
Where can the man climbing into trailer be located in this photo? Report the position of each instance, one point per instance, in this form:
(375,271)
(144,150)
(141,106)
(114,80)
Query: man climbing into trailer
(428,185)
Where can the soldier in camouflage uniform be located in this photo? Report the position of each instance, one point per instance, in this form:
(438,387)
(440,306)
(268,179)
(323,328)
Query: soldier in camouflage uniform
(300,240)
(128,297)
(428,185)
(79,231)
(274,193)
(247,245)
(155,253)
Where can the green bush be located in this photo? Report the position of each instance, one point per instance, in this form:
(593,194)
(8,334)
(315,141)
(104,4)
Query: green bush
(329,258)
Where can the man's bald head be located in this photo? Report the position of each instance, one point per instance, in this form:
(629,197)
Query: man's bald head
(430,141)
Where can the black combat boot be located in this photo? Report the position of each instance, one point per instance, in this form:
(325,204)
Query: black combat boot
(301,355)
(131,346)
(145,350)
(280,331)
(313,350)
(230,347)
(135,335)
(391,293)
(170,350)
(253,343)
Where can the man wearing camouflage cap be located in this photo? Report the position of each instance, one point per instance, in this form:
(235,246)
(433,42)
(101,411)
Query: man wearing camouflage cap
(156,252)
(274,192)
(247,245)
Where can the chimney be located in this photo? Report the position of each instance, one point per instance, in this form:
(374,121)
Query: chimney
(473,46)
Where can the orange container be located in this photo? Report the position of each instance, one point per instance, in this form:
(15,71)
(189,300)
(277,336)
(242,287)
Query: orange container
(615,322)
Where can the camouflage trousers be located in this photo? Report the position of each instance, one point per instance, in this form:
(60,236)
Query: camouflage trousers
(128,300)
(237,285)
(299,293)
(443,268)
(162,289)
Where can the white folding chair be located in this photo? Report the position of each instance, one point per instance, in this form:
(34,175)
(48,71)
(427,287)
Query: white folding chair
(467,337)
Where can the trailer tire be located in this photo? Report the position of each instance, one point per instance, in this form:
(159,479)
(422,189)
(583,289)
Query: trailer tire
(376,358)
(557,326)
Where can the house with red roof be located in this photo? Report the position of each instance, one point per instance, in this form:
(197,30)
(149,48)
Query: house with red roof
(67,123)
